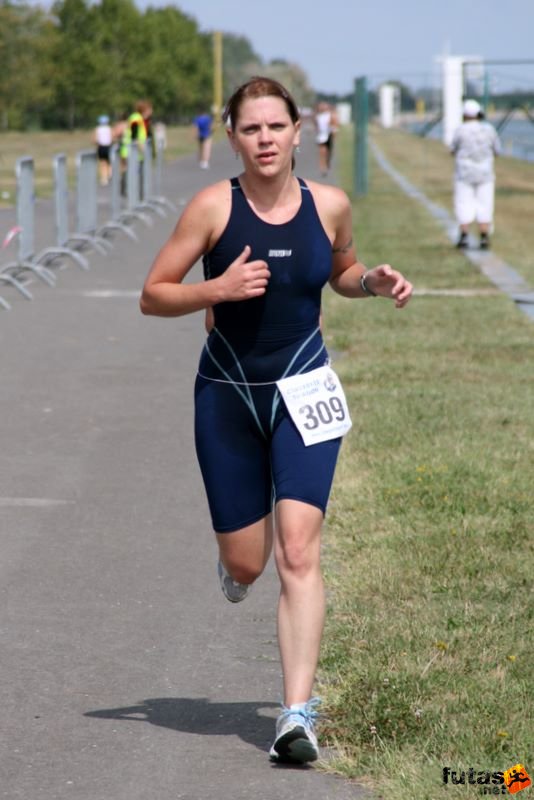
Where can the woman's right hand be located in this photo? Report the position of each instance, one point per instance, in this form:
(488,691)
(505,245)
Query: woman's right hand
(244,279)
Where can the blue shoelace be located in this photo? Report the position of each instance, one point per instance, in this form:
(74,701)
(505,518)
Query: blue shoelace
(308,712)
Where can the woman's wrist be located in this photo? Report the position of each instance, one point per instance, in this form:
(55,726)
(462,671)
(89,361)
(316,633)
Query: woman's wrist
(364,286)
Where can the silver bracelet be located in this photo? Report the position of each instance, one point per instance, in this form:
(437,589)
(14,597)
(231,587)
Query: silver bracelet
(363,286)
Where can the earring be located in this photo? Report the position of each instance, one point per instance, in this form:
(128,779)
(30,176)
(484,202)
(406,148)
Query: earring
(297,149)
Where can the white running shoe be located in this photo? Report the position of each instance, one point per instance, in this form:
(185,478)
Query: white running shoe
(232,590)
(296,741)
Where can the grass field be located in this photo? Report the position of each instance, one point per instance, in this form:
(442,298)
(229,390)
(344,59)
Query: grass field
(427,659)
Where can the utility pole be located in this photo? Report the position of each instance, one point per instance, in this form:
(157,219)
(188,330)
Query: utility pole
(360,116)
(217,74)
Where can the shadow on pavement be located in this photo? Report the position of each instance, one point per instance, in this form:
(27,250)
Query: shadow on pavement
(200,716)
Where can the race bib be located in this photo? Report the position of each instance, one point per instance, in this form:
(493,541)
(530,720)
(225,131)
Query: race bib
(317,405)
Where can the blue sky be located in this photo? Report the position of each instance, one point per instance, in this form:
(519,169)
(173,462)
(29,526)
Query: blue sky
(335,41)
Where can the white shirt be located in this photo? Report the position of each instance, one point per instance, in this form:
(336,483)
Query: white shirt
(475,143)
(323,126)
(103,135)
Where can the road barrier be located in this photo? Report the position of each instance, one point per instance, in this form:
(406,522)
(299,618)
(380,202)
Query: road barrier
(134,179)
(61,194)
(87,201)
(26,261)
(154,199)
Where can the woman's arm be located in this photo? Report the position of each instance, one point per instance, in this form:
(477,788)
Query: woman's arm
(164,293)
(349,276)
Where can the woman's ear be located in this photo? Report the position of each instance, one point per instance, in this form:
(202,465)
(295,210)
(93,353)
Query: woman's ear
(231,139)
(296,140)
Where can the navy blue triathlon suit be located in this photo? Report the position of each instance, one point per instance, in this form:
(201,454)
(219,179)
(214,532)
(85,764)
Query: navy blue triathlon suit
(249,450)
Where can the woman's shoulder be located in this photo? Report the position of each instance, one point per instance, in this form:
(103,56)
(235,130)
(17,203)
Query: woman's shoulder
(212,197)
(328,196)
(332,204)
(208,209)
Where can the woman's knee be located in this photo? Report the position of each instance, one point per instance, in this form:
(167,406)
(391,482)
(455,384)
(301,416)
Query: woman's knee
(296,557)
(243,571)
(245,552)
(298,549)
(298,540)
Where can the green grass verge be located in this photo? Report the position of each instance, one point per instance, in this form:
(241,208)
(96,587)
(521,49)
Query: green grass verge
(428,542)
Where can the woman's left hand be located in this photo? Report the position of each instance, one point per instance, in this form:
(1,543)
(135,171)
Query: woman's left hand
(388,282)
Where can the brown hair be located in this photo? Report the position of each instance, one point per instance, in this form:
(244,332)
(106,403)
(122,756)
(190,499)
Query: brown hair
(253,89)
(144,107)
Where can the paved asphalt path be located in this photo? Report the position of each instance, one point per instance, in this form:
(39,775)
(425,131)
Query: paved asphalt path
(125,673)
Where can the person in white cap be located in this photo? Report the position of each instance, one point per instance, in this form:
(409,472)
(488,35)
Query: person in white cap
(474,145)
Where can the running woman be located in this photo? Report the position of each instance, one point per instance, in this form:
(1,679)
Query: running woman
(269,241)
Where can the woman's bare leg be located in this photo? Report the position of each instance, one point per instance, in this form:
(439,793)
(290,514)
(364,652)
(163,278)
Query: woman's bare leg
(244,553)
(302,604)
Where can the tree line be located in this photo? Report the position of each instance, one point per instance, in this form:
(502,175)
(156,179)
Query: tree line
(63,66)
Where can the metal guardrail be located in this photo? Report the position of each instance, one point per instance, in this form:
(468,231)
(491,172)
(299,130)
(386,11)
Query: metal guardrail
(119,218)
(131,186)
(24,171)
(135,182)
(27,261)
(154,200)
(87,201)
(61,194)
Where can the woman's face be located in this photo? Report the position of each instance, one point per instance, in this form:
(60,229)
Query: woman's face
(265,135)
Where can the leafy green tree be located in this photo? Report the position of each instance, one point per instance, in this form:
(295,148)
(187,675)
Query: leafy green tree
(119,40)
(293,78)
(76,60)
(240,62)
(26,41)
(64,66)
(177,64)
